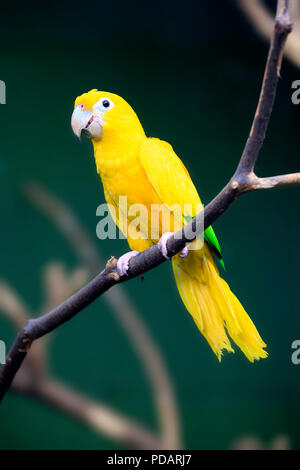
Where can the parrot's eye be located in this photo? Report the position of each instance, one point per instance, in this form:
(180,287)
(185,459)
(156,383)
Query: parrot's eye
(104,104)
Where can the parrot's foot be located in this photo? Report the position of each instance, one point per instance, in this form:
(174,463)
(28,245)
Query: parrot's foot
(184,252)
(123,262)
(162,245)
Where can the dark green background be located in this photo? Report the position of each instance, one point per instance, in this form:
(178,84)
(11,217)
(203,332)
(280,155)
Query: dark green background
(192,71)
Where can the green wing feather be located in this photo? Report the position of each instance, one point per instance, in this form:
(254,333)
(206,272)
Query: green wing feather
(211,239)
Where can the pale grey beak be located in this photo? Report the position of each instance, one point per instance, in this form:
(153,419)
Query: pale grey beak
(86,122)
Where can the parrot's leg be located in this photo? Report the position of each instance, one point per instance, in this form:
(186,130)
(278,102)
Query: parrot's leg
(162,245)
(123,262)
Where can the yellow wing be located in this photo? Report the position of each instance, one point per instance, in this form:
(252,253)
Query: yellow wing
(169,177)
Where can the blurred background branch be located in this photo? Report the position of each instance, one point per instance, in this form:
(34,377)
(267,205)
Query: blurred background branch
(280,442)
(34,379)
(261,18)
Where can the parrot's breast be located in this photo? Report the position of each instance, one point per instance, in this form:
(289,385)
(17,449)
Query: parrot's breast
(127,187)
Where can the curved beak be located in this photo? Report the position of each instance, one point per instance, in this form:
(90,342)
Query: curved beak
(84,121)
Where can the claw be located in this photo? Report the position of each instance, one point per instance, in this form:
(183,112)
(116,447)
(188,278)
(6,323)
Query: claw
(162,245)
(123,262)
(184,252)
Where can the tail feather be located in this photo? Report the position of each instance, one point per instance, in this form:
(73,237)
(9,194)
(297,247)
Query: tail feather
(214,308)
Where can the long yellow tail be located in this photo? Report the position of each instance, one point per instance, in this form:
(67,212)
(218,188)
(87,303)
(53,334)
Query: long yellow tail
(214,307)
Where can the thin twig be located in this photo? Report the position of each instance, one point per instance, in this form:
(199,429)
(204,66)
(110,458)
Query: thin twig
(274,181)
(152,257)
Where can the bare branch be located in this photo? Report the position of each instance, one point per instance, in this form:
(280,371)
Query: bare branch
(274,181)
(152,257)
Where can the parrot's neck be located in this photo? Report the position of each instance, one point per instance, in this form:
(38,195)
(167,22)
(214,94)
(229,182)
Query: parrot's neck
(118,148)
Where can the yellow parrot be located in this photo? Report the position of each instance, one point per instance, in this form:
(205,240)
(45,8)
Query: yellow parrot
(148,172)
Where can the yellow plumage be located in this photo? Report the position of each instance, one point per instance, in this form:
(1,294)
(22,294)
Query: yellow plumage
(147,171)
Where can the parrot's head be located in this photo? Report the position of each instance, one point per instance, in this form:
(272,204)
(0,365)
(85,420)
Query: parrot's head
(103,116)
